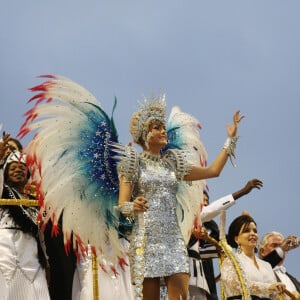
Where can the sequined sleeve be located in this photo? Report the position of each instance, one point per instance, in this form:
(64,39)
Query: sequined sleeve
(232,285)
(128,162)
(178,159)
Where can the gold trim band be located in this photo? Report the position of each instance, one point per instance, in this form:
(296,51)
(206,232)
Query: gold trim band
(25,202)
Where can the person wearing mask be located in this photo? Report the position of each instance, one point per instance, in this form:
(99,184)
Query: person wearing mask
(273,248)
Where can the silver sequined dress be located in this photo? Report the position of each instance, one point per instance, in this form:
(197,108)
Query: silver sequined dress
(165,252)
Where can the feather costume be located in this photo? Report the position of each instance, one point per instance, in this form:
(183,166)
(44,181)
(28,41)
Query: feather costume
(183,133)
(72,164)
(73,161)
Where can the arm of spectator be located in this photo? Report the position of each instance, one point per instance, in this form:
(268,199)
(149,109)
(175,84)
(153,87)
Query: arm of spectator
(212,210)
(289,243)
(3,147)
(250,185)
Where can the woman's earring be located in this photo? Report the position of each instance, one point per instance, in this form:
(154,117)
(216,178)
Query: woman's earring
(149,135)
(239,249)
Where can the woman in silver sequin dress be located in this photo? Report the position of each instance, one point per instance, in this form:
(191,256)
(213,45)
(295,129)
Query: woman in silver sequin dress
(148,187)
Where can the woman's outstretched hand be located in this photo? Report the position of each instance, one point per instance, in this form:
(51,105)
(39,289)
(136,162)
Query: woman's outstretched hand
(232,128)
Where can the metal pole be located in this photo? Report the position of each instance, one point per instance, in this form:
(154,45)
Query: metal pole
(95,277)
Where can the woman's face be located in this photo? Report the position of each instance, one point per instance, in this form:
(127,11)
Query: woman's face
(17,173)
(248,236)
(158,134)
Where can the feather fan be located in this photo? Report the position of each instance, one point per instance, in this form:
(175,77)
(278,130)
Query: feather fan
(73,165)
(183,134)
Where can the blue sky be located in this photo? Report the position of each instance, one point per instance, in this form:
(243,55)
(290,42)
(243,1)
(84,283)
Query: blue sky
(209,57)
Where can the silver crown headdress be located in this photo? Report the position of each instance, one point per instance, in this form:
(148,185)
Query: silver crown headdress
(15,157)
(153,109)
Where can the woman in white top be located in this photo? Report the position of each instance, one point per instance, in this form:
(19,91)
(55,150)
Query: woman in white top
(259,276)
(22,260)
(110,285)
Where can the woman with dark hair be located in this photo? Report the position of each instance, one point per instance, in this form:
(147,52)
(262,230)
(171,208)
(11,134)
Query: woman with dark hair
(259,277)
(23,258)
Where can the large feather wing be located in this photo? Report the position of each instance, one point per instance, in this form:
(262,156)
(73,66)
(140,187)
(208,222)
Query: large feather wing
(73,164)
(183,133)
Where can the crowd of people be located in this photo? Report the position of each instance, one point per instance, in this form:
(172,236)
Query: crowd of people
(163,254)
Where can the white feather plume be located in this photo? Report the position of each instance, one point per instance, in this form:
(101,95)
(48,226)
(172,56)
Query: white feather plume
(186,137)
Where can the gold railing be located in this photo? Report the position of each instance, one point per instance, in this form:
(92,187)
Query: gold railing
(25,202)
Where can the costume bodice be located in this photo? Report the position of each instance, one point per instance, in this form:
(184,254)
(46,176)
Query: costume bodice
(157,182)
(165,251)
